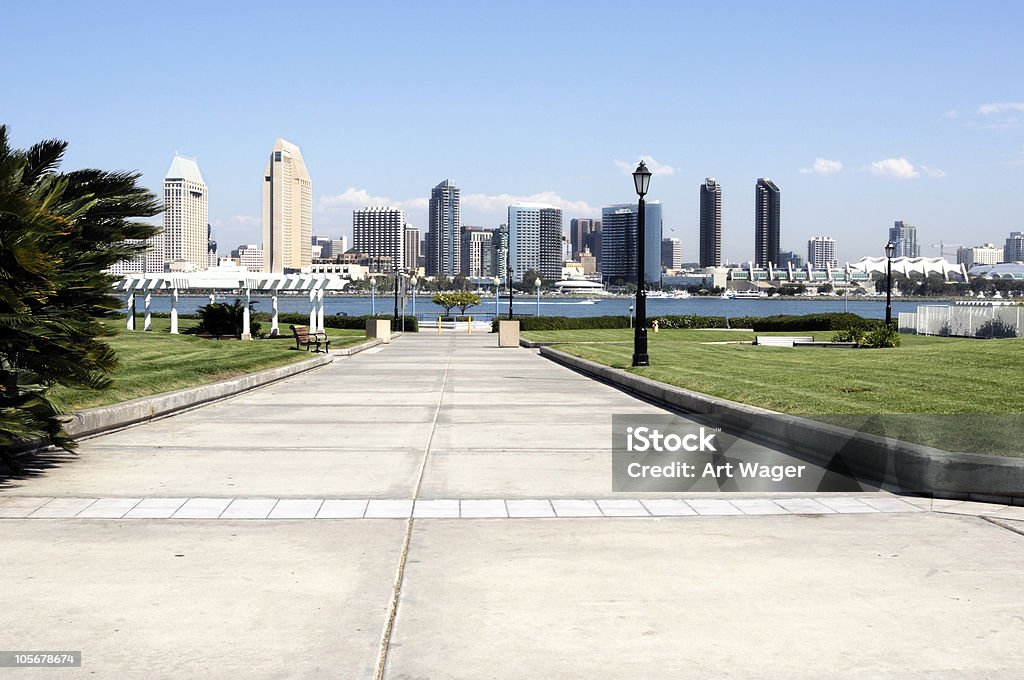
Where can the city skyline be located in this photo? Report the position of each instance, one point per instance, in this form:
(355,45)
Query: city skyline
(858,132)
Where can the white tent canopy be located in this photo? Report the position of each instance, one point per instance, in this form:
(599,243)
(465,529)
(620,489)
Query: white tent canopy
(230,280)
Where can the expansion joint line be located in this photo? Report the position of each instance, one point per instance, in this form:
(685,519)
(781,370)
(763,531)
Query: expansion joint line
(396,590)
(1004,525)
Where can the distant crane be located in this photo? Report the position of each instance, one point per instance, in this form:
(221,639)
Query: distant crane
(941,245)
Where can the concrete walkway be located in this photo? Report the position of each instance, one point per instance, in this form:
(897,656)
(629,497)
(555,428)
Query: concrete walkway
(440,508)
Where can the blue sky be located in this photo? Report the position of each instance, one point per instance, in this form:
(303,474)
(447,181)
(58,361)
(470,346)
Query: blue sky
(915,109)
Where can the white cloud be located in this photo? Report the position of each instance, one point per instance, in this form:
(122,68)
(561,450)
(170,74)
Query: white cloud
(899,168)
(932,172)
(654,166)
(353,198)
(823,166)
(952,113)
(499,203)
(1000,107)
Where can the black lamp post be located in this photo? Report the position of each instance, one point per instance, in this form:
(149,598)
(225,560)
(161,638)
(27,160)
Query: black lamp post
(642,180)
(509,272)
(890,248)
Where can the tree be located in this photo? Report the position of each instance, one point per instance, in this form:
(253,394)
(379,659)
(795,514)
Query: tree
(58,232)
(460,299)
(529,280)
(825,288)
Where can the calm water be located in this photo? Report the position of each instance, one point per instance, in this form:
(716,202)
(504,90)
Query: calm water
(356,306)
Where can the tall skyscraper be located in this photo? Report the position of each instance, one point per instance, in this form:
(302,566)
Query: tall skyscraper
(580,230)
(1013,251)
(287,210)
(380,232)
(618,242)
(904,237)
(186,215)
(499,252)
(821,253)
(767,221)
(535,240)
(476,251)
(444,234)
(412,247)
(671,253)
(710,223)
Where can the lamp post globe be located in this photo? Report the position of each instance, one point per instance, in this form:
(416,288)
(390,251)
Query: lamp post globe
(536,284)
(641,182)
(497,289)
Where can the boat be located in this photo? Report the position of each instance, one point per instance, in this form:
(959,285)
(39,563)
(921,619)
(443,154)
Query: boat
(746,295)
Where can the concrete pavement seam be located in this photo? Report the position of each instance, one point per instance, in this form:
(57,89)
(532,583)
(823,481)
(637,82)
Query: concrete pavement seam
(396,591)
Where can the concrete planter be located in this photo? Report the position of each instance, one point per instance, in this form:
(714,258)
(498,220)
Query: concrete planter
(379,328)
(508,333)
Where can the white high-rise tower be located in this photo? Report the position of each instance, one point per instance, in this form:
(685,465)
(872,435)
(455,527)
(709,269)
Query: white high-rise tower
(186,215)
(287,210)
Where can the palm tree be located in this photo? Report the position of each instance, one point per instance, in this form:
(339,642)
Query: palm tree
(58,233)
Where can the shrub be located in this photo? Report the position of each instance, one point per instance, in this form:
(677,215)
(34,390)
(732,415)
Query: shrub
(849,335)
(220,318)
(833,321)
(341,321)
(996,328)
(881,336)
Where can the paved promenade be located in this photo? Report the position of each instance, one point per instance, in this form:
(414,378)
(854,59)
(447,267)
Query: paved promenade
(440,508)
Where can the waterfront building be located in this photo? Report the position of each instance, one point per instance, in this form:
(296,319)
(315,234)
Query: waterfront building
(287,210)
(1013,251)
(618,236)
(379,232)
(904,237)
(710,223)
(580,234)
(499,251)
(444,233)
(186,215)
(983,254)
(767,222)
(249,256)
(671,253)
(412,248)
(535,240)
(477,257)
(821,252)
(787,258)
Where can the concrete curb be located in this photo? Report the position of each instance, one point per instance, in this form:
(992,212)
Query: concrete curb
(356,349)
(913,467)
(103,418)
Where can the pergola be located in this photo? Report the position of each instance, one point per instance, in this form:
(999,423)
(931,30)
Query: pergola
(245,283)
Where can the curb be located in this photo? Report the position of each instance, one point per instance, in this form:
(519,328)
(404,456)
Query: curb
(914,467)
(103,418)
(356,349)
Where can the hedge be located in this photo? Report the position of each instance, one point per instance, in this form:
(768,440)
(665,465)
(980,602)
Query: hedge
(783,322)
(338,321)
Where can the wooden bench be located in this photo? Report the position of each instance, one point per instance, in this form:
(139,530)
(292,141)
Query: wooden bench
(303,338)
(782,340)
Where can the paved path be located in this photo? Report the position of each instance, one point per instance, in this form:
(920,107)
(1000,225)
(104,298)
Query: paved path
(442,509)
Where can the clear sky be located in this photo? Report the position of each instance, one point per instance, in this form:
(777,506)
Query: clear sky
(862,112)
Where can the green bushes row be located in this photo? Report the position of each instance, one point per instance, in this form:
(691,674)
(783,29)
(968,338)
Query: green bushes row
(783,322)
(337,321)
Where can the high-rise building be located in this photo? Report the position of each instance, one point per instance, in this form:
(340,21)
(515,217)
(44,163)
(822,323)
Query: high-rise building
(580,230)
(132,265)
(499,252)
(904,237)
(535,240)
(250,256)
(618,242)
(984,254)
(767,222)
(710,223)
(787,258)
(477,258)
(671,253)
(326,247)
(186,215)
(380,232)
(339,246)
(444,234)
(211,248)
(412,247)
(821,253)
(287,210)
(1013,251)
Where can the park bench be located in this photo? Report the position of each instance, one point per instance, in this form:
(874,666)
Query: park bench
(303,338)
(782,340)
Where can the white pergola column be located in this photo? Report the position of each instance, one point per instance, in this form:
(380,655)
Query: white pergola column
(130,311)
(320,310)
(147,324)
(245,318)
(312,311)
(174,311)
(274,330)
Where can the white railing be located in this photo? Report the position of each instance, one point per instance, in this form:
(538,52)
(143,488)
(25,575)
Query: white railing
(990,321)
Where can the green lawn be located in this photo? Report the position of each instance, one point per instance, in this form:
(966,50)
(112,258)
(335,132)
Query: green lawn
(155,362)
(957,393)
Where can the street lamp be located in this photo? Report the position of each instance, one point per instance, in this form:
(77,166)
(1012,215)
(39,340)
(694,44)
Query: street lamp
(497,288)
(509,272)
(642,181)
(890,248)
(412,282)
(395,317)
(536,284)
(373,297)
(631,316)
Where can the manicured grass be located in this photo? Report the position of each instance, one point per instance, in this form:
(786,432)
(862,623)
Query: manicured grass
(155,362)
(978,380)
